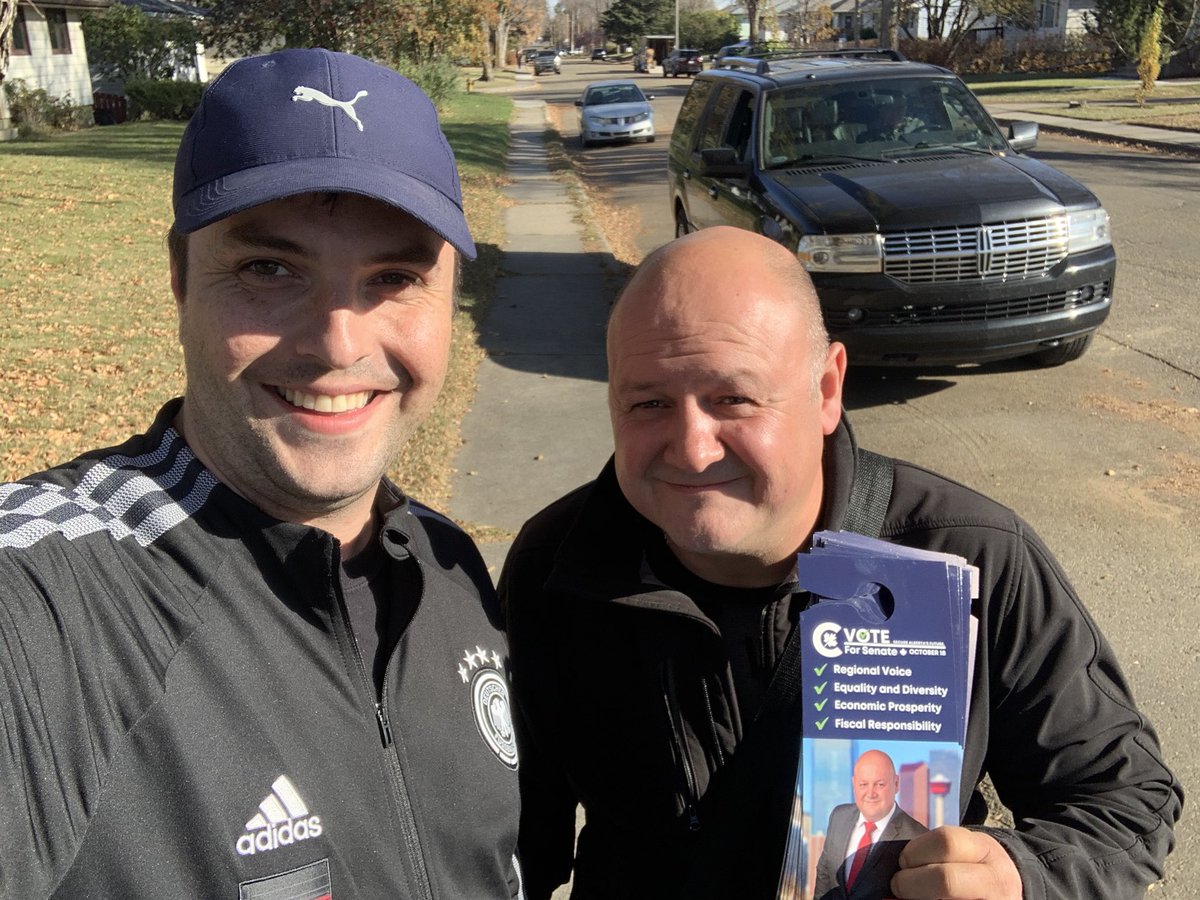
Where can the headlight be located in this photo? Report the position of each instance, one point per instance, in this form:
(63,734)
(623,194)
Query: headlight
(640,117)
(1088,230)
(841,252)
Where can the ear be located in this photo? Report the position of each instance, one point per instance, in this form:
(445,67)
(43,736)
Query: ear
(831,387)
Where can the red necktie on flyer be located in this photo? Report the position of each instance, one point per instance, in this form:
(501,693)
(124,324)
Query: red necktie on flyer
(860,855)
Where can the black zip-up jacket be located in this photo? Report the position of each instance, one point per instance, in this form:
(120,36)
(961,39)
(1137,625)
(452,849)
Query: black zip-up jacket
(184,712)
(627,707)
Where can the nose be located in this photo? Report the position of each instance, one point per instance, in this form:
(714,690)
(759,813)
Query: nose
(336,329)
(695,442)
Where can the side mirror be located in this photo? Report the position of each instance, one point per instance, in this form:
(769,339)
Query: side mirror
(579,103)
(1022,135)
(649,96)
(721,162)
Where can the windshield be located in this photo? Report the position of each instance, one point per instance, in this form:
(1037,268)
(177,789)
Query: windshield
(613,93)
(883,119)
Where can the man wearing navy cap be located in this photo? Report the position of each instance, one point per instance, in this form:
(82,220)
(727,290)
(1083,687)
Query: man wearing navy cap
(235,661)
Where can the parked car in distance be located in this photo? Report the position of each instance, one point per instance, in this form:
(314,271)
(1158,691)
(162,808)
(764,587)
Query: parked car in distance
(599,53)
(614,111)
(547,61)
(738,49)
(683,62)
(930,236)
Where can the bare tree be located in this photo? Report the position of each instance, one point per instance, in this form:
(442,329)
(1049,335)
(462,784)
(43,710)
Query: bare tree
(8,18)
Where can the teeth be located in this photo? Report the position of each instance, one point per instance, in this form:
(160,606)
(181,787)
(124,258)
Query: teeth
(324,402)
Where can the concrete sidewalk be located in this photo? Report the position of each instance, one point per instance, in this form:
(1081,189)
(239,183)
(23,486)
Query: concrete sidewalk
(539,424)
(1117,132)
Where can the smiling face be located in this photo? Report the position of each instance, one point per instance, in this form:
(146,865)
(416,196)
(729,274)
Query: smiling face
(316,334)
(875,785)
(719,408)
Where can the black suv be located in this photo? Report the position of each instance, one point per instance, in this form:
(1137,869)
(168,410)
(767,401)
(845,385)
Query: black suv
(547,61)
(683,62)
(929,236)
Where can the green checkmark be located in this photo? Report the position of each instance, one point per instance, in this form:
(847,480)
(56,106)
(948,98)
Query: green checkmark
(820,688)
(821,723)
(820,670)
(820,706)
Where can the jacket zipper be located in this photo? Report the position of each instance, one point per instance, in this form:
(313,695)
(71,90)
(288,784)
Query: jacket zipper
(691,793)
(712,722)
(404,810)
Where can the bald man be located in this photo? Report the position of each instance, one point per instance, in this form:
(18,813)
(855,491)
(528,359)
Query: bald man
(864,838)
(647,611)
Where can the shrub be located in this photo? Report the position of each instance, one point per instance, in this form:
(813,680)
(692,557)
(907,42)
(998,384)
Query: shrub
(1077,54)
(437,77)
(1150,56)
(34,111)
(162,99)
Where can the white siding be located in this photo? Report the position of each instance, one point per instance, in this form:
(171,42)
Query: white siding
(59,74)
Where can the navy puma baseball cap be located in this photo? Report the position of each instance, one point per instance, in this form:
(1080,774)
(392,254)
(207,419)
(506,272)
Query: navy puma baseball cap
(314,121)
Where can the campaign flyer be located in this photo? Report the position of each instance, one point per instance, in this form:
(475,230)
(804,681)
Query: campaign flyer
(886,653)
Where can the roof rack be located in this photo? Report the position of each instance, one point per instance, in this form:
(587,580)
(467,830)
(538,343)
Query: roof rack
(761,65)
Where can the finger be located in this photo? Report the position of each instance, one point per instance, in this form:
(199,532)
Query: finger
(956,864)
(946,844)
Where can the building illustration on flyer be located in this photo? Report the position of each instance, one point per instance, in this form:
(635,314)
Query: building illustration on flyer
(886,649)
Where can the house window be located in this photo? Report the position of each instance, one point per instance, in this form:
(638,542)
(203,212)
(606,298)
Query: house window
(20,37)
(1049,14)
(60,37)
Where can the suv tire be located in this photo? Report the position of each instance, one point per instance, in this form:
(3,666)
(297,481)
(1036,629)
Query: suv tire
(681,223)
(1067,351)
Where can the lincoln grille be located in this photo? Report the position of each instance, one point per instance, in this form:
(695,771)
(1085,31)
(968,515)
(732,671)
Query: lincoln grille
(994,251)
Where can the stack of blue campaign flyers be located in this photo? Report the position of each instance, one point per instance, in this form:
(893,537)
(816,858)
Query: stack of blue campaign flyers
(887,649)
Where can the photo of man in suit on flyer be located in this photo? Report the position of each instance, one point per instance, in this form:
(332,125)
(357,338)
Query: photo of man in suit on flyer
(864,838)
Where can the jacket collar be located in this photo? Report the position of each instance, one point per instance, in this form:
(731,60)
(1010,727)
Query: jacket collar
(603,554)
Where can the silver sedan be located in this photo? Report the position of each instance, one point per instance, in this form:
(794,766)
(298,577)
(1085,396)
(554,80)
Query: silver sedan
(614,111)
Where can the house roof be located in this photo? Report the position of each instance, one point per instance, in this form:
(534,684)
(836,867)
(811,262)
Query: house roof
(167,8)
(71,4)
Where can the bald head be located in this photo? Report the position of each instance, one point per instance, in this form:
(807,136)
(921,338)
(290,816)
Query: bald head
(722,389)
(728,272)
(875,785)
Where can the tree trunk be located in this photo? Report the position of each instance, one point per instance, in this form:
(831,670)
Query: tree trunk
(8,18)
(502,42)
(887,24)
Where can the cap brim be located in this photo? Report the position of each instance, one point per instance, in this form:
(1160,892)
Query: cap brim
(240,191)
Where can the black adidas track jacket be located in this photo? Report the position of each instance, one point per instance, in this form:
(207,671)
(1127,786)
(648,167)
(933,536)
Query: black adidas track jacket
(184,712)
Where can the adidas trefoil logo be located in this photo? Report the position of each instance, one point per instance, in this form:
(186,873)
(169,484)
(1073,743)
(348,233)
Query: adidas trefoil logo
(282,819)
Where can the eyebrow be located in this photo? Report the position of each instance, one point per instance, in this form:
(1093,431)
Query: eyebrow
(254,237)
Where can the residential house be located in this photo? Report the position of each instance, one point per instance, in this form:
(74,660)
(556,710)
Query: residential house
(768,23)
(48,51)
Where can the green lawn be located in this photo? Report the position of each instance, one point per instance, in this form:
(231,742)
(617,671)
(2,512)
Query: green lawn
(1095,98)
(87,342)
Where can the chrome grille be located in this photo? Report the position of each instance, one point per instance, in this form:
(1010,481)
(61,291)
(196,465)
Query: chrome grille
(994,251)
